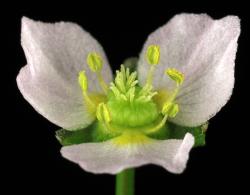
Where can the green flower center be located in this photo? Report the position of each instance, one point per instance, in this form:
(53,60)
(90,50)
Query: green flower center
(129,109)
(129,104)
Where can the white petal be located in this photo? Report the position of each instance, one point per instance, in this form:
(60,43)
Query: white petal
(106,157)
(204,50)
(55,54)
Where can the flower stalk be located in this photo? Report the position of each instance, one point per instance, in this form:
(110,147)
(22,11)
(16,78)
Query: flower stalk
(125,182)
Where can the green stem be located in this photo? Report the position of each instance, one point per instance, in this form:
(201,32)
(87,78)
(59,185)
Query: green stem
(125,182)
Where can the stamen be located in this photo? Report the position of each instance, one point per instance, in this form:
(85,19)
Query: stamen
(153,54)
(83,82)
(173,111)
(175,75)
(103,115)
(158,126)
(153,57)
(150,75)
(95,63)
(102,82)
(170,109)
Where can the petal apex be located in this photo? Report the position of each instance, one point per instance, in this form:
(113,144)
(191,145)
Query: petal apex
(233,23)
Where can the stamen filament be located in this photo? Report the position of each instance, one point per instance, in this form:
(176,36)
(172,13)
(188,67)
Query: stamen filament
(150,75)
(174,94)
(158,126)
(176,76)
(102,83)
(95,63)
(91,105)
(83,82)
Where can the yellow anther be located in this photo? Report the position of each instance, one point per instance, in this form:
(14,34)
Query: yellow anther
(106,114)
(153,57)
(83,81)
(95,62)
(175,75)
(171,109)
(153,54)
(102,113)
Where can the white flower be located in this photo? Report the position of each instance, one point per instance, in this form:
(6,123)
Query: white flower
(200,48)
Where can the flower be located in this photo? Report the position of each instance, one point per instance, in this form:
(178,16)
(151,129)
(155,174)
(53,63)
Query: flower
(186,77)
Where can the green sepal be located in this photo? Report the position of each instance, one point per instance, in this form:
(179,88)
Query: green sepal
(173,131)
(93,133)
(66,137)
(96,133)
(178,132)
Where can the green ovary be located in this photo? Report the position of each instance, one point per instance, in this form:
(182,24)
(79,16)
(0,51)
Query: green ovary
(132,114)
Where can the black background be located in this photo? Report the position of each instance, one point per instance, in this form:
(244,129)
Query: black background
(30,151)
